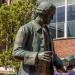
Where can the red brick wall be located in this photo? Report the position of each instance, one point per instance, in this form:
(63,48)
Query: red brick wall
(64,47)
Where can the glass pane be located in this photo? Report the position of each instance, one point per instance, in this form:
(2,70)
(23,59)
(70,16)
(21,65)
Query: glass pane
(60,22)
(71,12)
(53,29)
(71,28)
(60,29)
(61,14)
(71,20)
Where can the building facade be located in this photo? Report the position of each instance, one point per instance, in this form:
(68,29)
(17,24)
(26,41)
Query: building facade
(63,27)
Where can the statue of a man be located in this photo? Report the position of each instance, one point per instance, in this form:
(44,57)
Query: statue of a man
(34,43)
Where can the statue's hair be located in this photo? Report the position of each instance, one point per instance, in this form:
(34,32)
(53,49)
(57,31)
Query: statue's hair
(43,8)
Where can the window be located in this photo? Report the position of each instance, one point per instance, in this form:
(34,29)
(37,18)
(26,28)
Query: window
(60,14)
(60,29)
(71,20)
(71,12)
(59,20)
(53,29)
(71,29)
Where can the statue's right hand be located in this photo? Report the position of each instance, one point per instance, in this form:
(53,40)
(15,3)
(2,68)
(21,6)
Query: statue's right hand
(45,56)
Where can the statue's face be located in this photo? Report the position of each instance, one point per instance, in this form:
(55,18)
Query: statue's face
(48,17)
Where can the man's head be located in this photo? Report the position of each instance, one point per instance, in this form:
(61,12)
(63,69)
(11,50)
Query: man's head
(46,11)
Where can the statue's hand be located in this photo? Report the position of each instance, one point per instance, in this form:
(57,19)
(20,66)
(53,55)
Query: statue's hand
(45,56)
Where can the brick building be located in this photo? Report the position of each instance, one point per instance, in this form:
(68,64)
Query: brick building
(63,27)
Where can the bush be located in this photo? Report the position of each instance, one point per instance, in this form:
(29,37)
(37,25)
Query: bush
(11,18)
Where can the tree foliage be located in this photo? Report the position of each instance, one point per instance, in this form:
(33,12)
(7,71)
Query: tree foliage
(11,18)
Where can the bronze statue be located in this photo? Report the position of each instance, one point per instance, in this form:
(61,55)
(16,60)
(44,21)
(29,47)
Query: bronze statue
(34,45)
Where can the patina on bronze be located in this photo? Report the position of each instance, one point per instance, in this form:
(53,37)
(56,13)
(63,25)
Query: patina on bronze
(43,10)
(33,45)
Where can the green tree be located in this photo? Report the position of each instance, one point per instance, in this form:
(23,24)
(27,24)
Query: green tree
(11,18)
